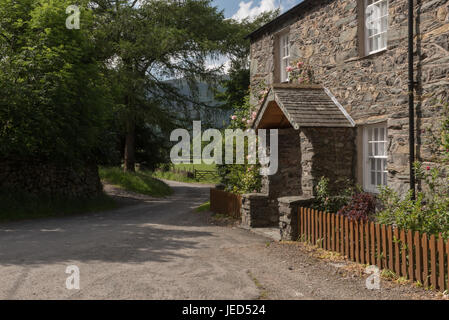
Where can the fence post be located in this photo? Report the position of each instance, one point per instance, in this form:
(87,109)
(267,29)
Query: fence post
(425,257)
(441,277)
(433,269)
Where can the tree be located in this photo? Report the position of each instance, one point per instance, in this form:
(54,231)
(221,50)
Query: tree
(237,86)
(152,41)
(53,93)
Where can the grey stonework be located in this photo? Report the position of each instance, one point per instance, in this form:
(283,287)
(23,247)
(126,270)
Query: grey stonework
(371,88)
(305,156)
(257,212)
(288,216)
(308,154)
(38,178)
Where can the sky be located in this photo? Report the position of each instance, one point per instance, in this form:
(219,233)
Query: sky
(238,9)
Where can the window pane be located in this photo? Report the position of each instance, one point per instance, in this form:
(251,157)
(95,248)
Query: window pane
(381,148)
(384,8)
(373,178)
(376,149)
(379,164)
(384,24)
(383,38)
(379,178)
(370,27)
(375,45)
(381,134)
(385,179)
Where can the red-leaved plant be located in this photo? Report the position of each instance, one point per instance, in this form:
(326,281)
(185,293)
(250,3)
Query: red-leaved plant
(361,208)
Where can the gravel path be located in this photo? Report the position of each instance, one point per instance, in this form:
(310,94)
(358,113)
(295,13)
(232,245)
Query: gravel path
(163,249)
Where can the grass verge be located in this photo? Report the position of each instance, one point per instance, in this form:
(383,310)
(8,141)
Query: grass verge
(141,182)
(204,207)
(19,206)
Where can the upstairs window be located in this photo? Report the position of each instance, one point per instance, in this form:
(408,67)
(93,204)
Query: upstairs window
(375,157)
(376,25)
(284,42)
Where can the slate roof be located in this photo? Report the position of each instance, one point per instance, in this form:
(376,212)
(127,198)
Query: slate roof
(306,106)
(284,18)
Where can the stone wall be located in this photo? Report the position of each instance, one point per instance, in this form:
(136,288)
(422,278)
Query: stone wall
(257,211)
(308,154)
(330,153)
(53,180)
(287,180)
(371,88)
(288,216)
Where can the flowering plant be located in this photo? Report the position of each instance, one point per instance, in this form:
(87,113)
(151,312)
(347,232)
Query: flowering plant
(300,73)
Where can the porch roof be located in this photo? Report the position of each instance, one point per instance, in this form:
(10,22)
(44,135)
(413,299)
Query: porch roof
(302,106)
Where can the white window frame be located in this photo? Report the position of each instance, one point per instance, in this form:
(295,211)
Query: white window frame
(381,31)
(378,156)
(284,56)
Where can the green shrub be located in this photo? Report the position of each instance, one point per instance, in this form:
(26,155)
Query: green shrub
(328,201)
(241,178)
(428,213)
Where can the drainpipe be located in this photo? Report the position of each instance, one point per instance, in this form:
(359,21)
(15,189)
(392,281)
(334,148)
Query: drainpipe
(411,102)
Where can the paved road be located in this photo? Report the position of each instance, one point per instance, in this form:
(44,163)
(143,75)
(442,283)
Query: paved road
(158,249)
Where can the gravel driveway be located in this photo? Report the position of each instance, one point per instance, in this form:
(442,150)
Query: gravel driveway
(163,249)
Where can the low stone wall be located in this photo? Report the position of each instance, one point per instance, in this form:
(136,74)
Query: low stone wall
(38,177)
(257,211)
(288,217)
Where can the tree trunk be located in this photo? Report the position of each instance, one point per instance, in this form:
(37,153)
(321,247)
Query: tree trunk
(130,146)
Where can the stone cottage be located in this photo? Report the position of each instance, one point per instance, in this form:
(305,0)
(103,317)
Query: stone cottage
(353,122)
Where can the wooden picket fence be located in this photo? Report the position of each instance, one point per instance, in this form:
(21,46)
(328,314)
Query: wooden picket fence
(415,256)
(225,203)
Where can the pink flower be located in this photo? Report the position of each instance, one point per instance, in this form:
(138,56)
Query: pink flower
(244,119)
(254,114)
(300,64)
(234,117)
(248,121)
(289,69)
(428,168)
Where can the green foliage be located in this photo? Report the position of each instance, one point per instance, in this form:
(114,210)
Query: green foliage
(428,213)
(174,176)
(140,182)
(235,89)
(241,178)
(328,201)
(237,86)
(53,93)
(21,205)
